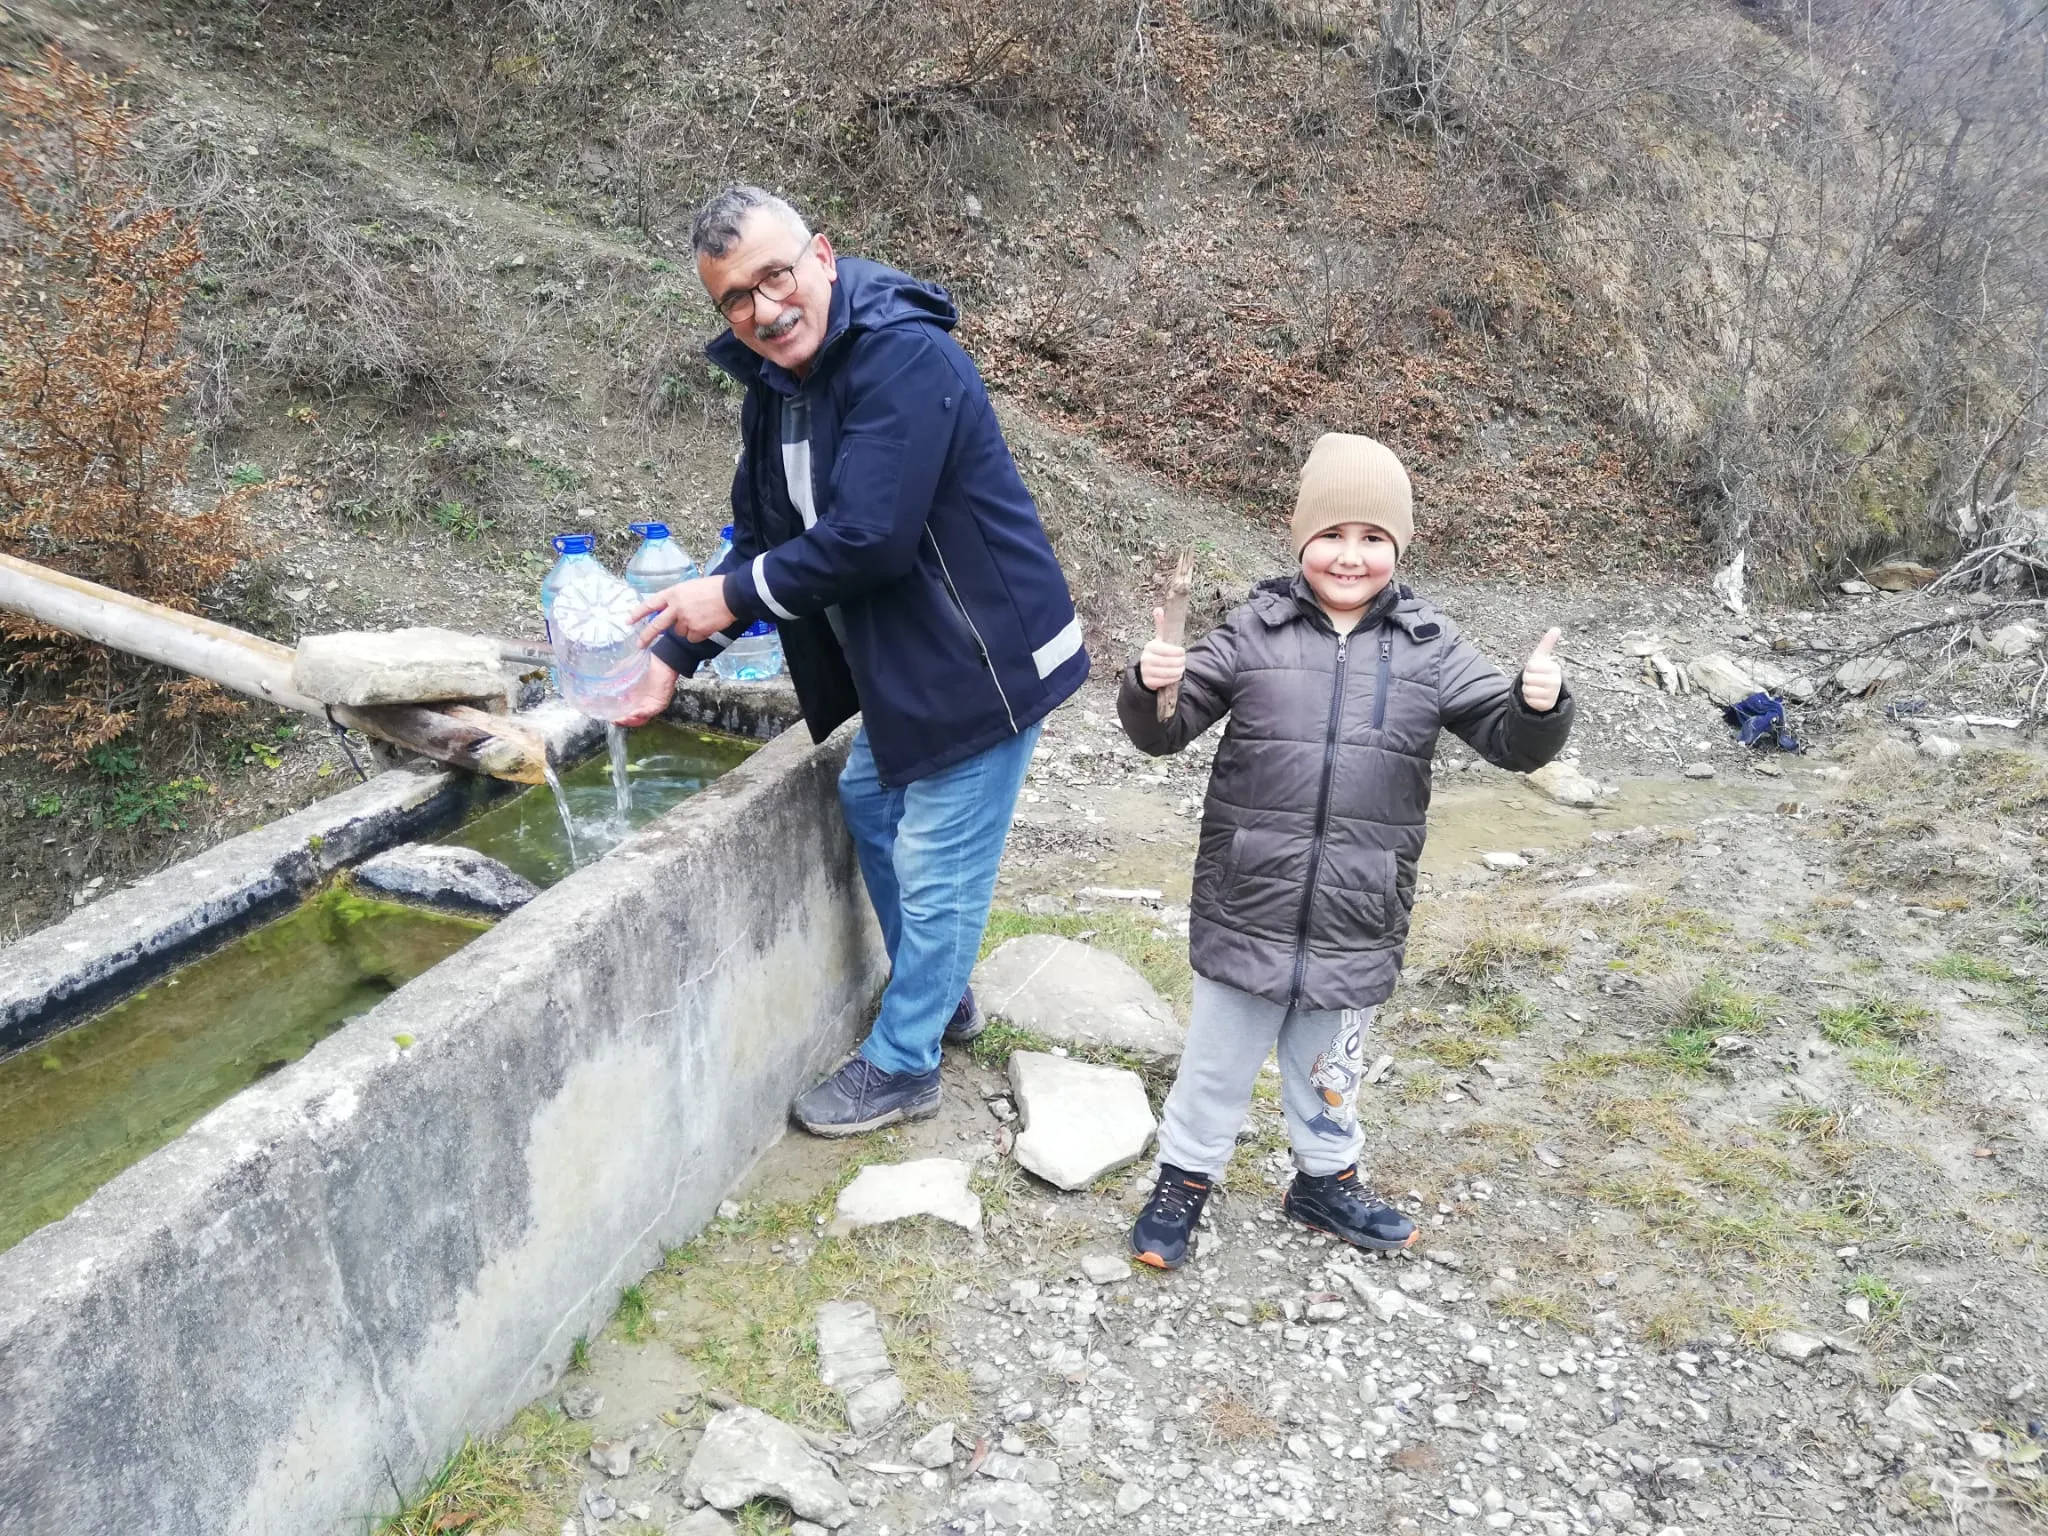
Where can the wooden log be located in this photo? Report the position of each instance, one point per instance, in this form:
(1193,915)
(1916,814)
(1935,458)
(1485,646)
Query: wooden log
(460,736)
(1173,628)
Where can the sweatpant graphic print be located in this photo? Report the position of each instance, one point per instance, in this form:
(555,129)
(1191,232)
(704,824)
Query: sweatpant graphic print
(1338,1068)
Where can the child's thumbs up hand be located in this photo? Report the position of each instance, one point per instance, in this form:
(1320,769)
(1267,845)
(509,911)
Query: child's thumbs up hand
(1161,665)
(1543,675)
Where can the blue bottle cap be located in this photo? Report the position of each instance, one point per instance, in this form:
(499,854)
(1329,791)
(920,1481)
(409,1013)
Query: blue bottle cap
(725,533)
(575,543)
(760,627)
(649,530)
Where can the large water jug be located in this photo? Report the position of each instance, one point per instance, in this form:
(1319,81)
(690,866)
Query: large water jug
(659,563)
(754,657)
(724,547)
(569,549)
(598,658)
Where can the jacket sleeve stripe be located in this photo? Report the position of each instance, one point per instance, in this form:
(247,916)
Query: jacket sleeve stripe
(1052,655)
(761,589)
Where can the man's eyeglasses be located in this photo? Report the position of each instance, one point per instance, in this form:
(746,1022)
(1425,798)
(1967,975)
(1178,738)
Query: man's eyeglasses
(776,284)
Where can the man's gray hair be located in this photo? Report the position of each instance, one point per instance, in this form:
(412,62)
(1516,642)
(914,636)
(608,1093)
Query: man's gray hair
(718,222)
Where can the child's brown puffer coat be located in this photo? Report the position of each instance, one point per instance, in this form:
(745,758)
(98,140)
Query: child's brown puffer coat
(1318,801)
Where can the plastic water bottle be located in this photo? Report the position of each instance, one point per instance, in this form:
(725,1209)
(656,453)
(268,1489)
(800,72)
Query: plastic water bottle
(598,658)
(724,547)
(570,549)
(754,657)
(659,562)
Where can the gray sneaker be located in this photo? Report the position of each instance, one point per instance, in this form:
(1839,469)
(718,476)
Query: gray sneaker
(967,1022)
(860,1096)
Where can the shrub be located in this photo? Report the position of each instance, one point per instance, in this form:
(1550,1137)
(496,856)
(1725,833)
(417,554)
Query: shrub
(92,292)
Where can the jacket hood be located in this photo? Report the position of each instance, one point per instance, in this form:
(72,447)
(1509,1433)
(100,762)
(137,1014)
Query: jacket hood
(867,297)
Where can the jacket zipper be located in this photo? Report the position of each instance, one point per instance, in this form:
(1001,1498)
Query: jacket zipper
(1315,852)
(1386,676)
(980,645)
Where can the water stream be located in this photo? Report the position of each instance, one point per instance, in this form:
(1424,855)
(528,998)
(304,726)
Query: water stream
(568,818)
(83,1105)
(622,785)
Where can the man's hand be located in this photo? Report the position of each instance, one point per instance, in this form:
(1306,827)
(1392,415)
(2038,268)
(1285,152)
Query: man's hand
(1160,665)
(651,694)
(1543,675)
(693,609)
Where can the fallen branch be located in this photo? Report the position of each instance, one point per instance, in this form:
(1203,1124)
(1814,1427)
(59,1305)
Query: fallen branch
(1173,628)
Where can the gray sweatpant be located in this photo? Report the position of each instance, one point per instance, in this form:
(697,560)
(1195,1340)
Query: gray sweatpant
(1322,1060)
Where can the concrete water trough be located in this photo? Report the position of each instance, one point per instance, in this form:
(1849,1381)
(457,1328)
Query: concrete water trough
(288,1316)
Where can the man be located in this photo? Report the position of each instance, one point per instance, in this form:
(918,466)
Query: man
(880,523)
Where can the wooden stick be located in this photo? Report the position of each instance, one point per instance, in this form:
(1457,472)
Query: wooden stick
(460,736)
(1175,624)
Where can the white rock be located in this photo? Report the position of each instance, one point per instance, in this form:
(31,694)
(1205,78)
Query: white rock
(1105,1268)
(1616,1503)
(614,1458)
(1463,1508)
(1687,1469)
(1565,784)
(1857,588)
(1796,1347)
(1910,1414)
(1075,994)
(747,1454)
(1327,1311)
(1131,1498)
(1699,770)
(1080,1120)
(1943,749)
(1858,1307)
(1867,672)
(1007,1505)
(1602,893)
(930,1186)
(1722,678)
(399,666)
(1075,1429)
(701,1522)
(853,1358)
(1504,859)
(934,1448)
(2015,639)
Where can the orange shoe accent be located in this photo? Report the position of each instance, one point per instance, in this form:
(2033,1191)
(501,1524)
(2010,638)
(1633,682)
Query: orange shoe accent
(1152,1259)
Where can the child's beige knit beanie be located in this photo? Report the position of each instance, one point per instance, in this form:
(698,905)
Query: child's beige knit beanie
(1351,479)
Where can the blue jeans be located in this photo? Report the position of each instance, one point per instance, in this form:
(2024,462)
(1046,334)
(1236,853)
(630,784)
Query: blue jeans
(929,852)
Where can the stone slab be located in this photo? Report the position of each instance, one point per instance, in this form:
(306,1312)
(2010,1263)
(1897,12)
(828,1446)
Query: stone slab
(397,666)
(747,1454)
(1075,994)
(1080,1120)
(443,875)
(930,1186)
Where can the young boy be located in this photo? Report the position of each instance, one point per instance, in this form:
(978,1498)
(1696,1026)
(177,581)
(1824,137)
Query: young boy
(1336,682)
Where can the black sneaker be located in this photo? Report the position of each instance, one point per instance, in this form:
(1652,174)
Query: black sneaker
(1336,1203)
(860,1096)
(1167,1224)
(967,1022)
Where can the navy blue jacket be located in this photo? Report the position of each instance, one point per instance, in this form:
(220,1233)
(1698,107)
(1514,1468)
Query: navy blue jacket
(959,628)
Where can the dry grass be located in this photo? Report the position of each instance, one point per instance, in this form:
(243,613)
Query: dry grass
(745,1313)
(1235,1424)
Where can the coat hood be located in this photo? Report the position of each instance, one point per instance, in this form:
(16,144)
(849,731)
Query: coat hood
(867,297)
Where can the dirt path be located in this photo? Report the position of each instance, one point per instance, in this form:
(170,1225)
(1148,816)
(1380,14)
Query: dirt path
(1726,1119)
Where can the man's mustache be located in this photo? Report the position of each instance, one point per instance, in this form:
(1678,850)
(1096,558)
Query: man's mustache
(783,324)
